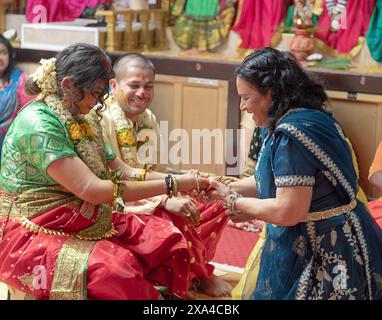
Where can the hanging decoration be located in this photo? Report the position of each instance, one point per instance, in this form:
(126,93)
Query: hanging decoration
(335,9)
(303,13)
(302,44)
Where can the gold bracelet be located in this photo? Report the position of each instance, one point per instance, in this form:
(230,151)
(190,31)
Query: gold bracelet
(116,193)
(197,183)
(115,178)
(175,186)
(116,190)
(142,177)
(231,202)
(146,168)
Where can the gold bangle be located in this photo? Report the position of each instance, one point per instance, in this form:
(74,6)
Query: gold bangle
(146,168)
(116,188)
(197,183)
(116,193)
(175,186)
(116,176)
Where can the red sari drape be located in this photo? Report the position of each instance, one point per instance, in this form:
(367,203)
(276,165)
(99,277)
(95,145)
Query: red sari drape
(344,40)
(148,250)
(375,208)
(257,22)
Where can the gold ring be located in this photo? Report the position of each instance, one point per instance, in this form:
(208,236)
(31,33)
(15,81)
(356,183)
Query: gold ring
(187,214)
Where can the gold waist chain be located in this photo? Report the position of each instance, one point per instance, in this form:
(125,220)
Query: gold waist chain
(97,231)
(321,215)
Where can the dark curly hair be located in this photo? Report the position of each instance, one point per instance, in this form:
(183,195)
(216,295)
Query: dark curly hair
(84,63)
(291,87)
(12,58)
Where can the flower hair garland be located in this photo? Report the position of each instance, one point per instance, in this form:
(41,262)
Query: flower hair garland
(45,76)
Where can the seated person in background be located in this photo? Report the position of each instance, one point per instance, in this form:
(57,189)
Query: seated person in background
(12,94)
(126,122)
(375,177)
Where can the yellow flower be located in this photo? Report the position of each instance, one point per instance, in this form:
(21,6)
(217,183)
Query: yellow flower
(75,131)
(86,129)
(125,137)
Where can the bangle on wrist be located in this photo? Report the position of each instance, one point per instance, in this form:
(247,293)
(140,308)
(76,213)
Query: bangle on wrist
(169,185)
(116,194)
(197,183)
(231,202)
(117,190)
(176,185)
(146,168)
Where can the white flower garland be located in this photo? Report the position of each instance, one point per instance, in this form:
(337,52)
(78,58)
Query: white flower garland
(90,149)
(124,129)
(84,131)
(45,76)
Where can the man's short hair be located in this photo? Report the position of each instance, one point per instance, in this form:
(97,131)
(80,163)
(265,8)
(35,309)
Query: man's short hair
(131,60)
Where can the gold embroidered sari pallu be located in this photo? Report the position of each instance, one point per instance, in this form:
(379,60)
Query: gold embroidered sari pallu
(84,220)
(54,260)
(53,211)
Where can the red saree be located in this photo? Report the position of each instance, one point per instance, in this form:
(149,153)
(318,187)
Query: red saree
(375,208)
(44,256)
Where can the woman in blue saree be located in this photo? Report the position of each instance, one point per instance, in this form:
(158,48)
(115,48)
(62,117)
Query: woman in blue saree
(12,93)
(321,242)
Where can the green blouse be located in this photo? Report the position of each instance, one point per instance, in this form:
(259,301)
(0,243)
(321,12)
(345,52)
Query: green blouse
(35,139)
(202,8)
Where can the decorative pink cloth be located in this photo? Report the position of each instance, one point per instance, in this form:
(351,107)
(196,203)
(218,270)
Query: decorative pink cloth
(60,10)
(375,208)
(358,15)
(258,21)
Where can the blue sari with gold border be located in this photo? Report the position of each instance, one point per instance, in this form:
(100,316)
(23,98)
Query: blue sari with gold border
(336,253)
(8,104)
